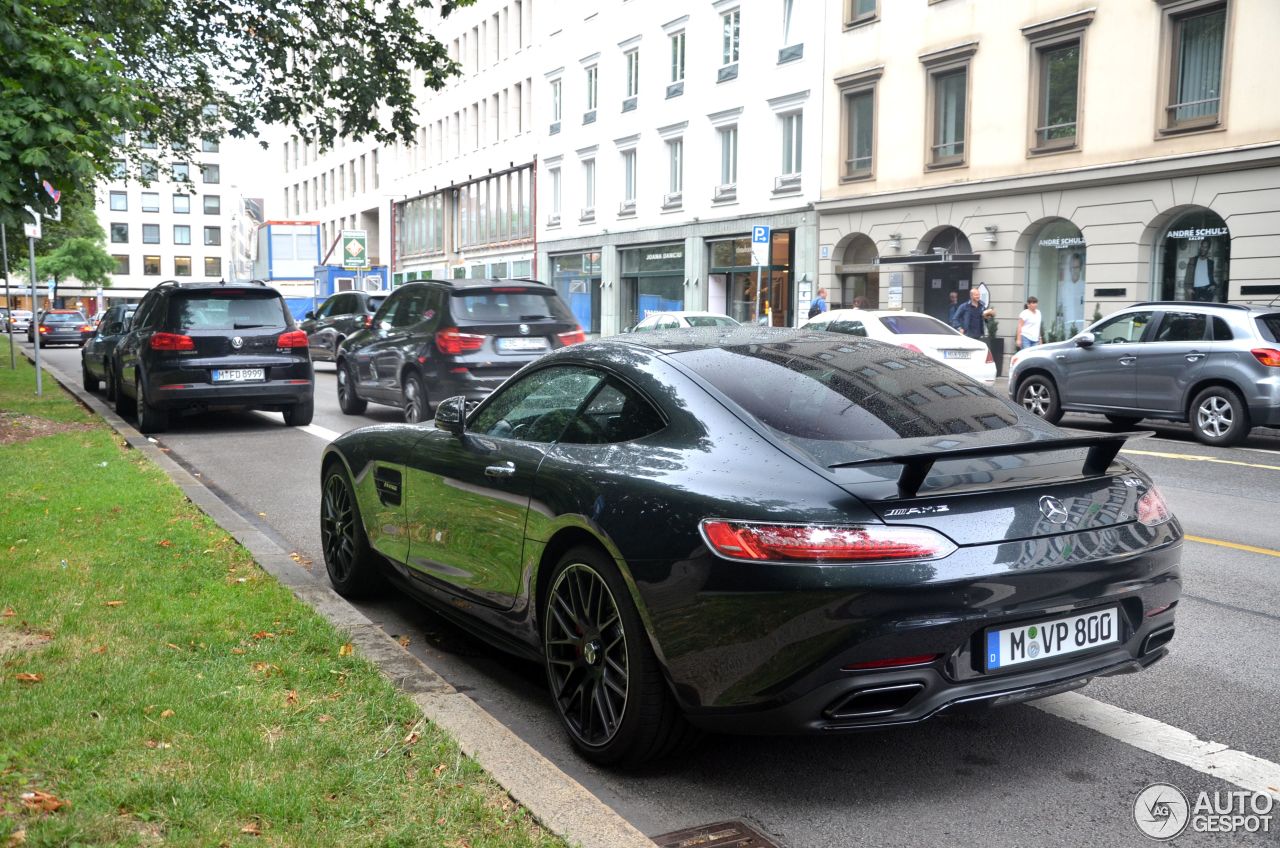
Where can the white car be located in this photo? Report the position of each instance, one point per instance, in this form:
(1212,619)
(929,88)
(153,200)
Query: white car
(20,319)
(914,331)
(683,320)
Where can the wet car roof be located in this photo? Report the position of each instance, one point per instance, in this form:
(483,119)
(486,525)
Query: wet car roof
(703,338)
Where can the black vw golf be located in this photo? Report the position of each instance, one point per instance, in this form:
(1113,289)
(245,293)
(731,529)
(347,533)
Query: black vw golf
(759,531)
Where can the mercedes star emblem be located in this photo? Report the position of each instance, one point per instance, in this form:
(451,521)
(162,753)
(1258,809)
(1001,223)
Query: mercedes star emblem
(237,342)
(1053,510)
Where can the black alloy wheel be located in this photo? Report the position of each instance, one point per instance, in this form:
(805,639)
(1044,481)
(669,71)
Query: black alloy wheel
(90,381)
(1039,396)
(123,407)
(108,381)
(347,556)
(414,400)
(301,413)
(604,678)
(348,401)
(150,419)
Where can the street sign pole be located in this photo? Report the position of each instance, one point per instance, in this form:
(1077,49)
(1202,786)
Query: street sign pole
(35,333)
(8,301)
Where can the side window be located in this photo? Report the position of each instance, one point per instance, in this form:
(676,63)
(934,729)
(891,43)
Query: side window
(1183,327)
(327,308)
(645,325)
(143,317)
(848,328)
(1221,331)
(617,413)
(387,312)
(411,309)
(668,323)
(537,407)
(1122,329)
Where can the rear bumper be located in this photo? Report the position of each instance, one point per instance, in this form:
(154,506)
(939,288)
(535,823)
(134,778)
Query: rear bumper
(270,394)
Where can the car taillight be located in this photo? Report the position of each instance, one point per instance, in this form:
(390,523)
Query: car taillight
(910,346)
(822,543)
(172,341)
(451,340)
(85,328)
(43,328)
(368,321)
(1152,509)
(292,339)
(572,338)
(1267,356)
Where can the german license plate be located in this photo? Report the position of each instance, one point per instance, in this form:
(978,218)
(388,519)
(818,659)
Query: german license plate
(955,354)
(522,345)
(238,375)
(1055,638)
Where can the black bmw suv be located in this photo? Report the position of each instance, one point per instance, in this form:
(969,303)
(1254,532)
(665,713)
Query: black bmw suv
(197,346)
(437,339)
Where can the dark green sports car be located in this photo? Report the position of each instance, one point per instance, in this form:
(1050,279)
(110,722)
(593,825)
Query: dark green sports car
(760,530)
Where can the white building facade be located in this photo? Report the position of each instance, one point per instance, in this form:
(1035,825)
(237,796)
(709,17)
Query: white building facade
(668,132)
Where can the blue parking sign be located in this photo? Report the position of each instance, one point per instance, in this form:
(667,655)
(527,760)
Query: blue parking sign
(759,234)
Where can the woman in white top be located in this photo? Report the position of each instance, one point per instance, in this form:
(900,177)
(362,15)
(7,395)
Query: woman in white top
(1029,324)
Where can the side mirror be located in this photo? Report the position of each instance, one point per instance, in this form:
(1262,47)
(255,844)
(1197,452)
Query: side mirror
(451,415)
(1084,340)
(311,313)
(114,328)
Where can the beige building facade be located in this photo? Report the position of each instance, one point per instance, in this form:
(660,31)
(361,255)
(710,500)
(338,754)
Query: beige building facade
(1089,155)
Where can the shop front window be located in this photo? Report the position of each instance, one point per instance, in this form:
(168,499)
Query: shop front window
(1056,277)
(1193,258)
(652,281)
(732,281)
(576,277)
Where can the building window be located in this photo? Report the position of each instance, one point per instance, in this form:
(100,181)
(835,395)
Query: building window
(182,204)
(181,171)
(588,188)
(118,169)
(119,233)
(213,235)
(859,132)
(675,166)
(212,174)
(150,233)
(122,263)
(1193,258)
(860,11)
(949,92)
(119,201)
(148,172)
(1059,95)
(182,266)
(729,157)
(555,195)
(731,23)
(677,57)
(792,142)
(213,204)
(592,89)
(556,109)
(150,201)
(1197,53)
(209,145)
(151,266)
(1056,262)
(181,234)
(629,177)
(213,266)
(633,73)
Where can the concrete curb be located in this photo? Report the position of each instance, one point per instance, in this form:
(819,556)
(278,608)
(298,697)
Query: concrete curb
(560,803)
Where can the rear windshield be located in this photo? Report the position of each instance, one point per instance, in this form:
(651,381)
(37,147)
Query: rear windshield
(228,311)
(495,306)
(827,396)
(916,325)
(710,321)
(1270,326)
(63,318)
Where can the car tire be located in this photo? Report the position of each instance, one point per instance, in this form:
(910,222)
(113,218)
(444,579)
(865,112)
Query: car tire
(150,419)
(351,563)
(413,400)
(348,401)
(1125,420)
(1219,417)
(1038,395)
(588,665)
(109,382)
(123,406)
(301,413)
(91,382)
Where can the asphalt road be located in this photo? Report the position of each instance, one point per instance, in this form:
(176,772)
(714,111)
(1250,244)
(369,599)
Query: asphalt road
(1014,776)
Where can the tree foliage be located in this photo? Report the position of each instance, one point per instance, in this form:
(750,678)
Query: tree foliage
(79,258)
(85,82)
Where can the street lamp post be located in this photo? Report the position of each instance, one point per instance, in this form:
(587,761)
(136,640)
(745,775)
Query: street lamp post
(8,301)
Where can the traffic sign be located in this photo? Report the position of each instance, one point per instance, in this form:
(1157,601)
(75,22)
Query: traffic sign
(355,250)
(760,245)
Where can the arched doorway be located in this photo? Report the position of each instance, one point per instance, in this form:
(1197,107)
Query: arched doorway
(946,270)
(1193,257)
(1056,261)
(857,275)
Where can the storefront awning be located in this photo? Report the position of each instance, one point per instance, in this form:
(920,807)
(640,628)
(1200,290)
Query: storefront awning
(930,259)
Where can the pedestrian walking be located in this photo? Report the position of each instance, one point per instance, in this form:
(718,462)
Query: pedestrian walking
(819,304)
(969,316)
(953,305)
(1029,323)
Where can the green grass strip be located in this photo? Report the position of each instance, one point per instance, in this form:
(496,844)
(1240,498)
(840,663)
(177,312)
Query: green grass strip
(183,696)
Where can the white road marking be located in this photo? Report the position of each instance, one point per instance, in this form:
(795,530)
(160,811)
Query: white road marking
(1212,758)
(314,429)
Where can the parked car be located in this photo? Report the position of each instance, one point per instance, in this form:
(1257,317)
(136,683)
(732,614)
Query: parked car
(196,346)
(914,331)
(338,317)
(1213,365)
(760,530)
(97,355)
(680,320)
(60,327)
(432,340)
(21,320)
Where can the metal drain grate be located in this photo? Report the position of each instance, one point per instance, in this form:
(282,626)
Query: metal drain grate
(728,834)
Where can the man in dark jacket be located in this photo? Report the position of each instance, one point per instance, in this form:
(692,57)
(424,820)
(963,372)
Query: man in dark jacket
(968,318)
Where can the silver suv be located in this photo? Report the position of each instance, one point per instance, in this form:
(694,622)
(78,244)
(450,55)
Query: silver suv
(1215,366)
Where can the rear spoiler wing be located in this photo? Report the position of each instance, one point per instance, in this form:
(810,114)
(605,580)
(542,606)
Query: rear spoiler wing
(1103,449)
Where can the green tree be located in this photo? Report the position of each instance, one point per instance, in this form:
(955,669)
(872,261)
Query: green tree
(83,259)
(84,82)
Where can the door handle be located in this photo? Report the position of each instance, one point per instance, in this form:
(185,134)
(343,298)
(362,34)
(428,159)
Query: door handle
(1194,357)
(506,469)
(1128,360)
